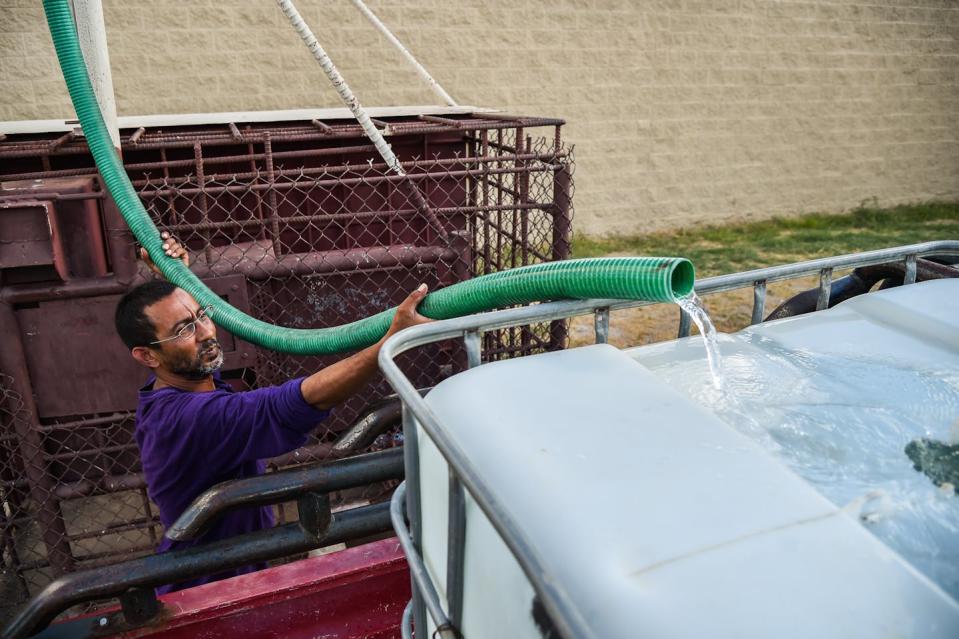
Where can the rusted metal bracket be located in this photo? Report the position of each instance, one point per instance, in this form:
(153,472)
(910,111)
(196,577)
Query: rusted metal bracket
(315,514)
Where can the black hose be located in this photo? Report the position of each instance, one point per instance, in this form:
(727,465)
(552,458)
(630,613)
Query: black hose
(862,280)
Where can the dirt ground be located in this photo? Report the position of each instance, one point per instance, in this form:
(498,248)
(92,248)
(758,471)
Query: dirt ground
(730,311)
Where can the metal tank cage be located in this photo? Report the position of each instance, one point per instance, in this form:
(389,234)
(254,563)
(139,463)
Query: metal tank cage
(902,264)
(297,223)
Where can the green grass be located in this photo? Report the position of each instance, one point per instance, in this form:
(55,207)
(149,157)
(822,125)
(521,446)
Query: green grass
(738,247)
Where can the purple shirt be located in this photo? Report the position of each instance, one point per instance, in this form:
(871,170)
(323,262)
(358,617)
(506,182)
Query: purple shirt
(191,441)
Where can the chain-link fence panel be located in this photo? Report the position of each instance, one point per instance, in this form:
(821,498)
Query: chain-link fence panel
(300,225)
(19,538)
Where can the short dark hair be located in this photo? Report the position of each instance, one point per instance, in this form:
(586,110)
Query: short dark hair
(133,326)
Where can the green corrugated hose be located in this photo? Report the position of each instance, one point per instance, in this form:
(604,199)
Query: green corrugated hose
(647,278)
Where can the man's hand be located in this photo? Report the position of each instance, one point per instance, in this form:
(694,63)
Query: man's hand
(337,382)
(406,314)
(171,247)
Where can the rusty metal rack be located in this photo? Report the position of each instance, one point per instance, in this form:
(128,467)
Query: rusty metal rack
(297,223)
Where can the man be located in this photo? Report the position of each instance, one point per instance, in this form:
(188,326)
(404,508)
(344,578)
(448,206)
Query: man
(193,431)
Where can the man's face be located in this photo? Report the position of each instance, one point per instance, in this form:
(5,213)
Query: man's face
(191,356)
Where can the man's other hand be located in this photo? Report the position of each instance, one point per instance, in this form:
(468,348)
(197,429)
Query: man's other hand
(406,314)
(171,247)
(333,384)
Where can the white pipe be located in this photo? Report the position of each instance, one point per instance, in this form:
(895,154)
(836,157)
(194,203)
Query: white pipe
(341,87)
(93,43)
(420,70)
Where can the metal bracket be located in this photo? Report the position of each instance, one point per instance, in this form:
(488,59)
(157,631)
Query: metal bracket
(759,301)
(474,348)
(601,325)
(910,275)
(315,514)
(825,288)
(139,605)
(685,323)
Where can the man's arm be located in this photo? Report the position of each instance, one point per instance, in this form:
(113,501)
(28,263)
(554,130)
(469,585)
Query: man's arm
(337,382)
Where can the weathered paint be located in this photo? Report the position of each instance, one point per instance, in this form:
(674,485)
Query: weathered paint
(357,592)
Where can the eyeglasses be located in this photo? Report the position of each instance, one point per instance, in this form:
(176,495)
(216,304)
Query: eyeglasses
(188,330)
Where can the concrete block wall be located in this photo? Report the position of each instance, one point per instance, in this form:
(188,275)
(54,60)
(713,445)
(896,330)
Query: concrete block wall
(682,111)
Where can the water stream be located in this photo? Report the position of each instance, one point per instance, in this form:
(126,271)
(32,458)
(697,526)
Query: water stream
(693,306)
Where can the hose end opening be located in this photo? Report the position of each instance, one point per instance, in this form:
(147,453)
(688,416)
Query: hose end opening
(682,279)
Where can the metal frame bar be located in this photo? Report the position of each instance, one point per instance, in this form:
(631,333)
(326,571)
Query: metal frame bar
(157,134)
(411,459)
(759,302)
(825,288)
(455,549)
(284,485)
(177,565)
(568,619)
(316,527)
(406,623)
(418,573)
(601,324)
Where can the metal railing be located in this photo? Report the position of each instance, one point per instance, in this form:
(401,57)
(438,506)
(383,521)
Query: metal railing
(133,581)
(464,475)
(824,267)
(282,486)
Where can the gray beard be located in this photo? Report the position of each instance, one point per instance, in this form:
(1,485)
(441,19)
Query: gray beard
(212,367)
(196,369)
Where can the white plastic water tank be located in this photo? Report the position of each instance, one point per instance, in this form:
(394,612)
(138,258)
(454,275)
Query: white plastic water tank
(659,519)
